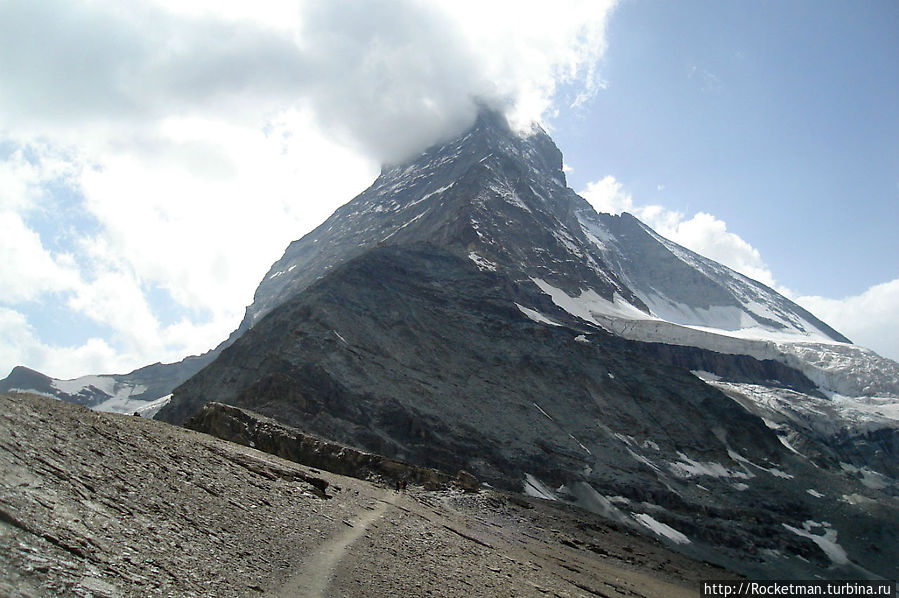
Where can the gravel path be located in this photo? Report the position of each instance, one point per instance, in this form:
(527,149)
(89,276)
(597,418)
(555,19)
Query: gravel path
(315,575)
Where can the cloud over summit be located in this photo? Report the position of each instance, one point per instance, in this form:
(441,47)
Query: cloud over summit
(390,77)
(164,152)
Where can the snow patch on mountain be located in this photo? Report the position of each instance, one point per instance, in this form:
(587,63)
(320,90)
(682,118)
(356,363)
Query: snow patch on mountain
(744,461)
(824,414)
(537,489)
(721,317)
(661,529)
(101,393)
(508,194)
(752,330)
(431,194)
(483,264)
(536,316)
(826,541)
(690,468)
(146,409)
(121,401)
(758,300)
(694,301)
(76,386)
(589,304)
(869,478)
(844,369)
(837,368)
(585,496)
(798,418)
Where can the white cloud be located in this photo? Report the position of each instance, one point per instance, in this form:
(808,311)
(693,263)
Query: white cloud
(29,270)
(870,319)
(21,344)
(708,236)
(702,233)
(207,217)
(178,147)
(608,195)
(390,77)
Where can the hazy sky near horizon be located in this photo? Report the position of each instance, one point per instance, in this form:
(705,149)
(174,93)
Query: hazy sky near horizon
(156,157)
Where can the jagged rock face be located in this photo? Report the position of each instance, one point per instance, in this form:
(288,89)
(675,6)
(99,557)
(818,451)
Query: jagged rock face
(503,198)
(367,355)
(416,353)
(499,196)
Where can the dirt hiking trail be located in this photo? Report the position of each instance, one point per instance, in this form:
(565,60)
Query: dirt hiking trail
(313,579)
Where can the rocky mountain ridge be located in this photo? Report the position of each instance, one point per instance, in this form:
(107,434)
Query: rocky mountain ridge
(470,311)
(415,353)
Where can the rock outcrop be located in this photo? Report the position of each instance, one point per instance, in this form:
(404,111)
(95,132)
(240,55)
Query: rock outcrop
(251,429)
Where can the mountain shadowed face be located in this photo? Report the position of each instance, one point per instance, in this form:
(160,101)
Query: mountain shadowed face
(469,311)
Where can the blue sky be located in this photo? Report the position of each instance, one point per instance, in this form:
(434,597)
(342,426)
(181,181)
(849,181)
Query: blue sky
(157,156)
(779,118)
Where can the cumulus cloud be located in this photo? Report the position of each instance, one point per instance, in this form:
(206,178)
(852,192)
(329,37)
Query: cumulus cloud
(29,270)
(21,344)
(608,195)
(173,149)
(702,232)
(400,75)
(105,64)
(391,76)
(869,319)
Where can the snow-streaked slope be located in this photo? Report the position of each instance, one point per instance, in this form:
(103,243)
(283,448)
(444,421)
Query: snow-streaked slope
(102,393)
(834,429)
(689,300)
(142,391)
(682,287)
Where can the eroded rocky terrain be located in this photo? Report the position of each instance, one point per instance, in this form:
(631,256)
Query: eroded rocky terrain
(96,504)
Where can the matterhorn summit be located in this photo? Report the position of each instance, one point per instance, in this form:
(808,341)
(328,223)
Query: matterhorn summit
(469,311)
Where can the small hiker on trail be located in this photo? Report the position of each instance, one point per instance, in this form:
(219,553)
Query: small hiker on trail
(399,485)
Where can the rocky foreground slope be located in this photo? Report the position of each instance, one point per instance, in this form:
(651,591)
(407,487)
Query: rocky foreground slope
(417,354)
(95,504)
